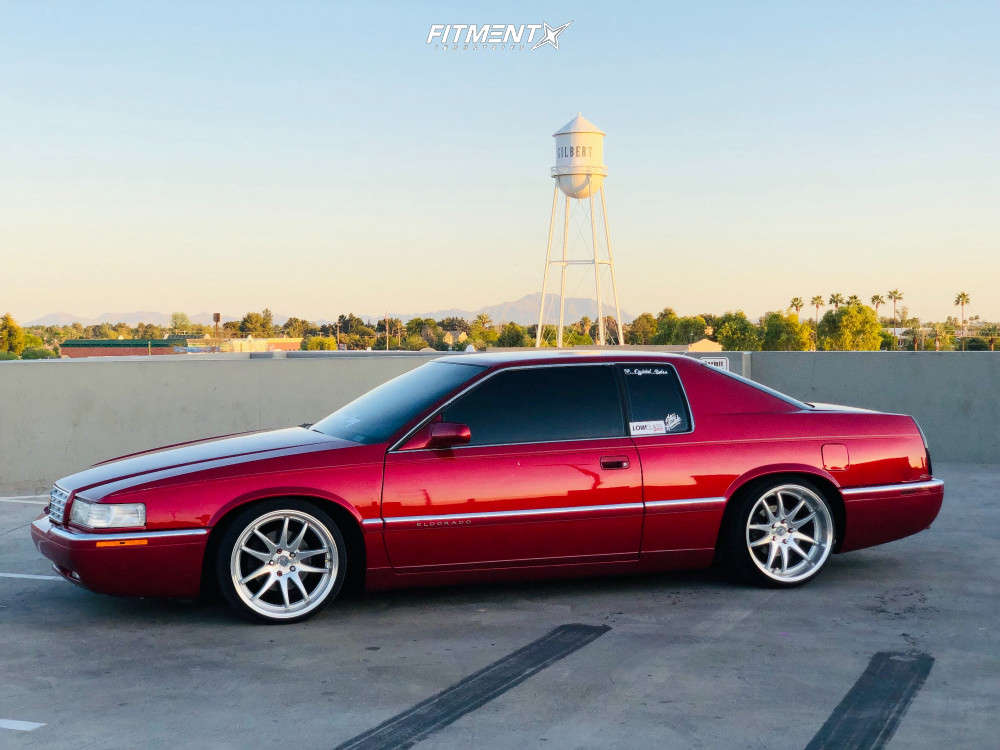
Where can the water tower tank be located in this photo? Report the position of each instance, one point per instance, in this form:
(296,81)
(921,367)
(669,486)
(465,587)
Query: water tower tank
(579,168)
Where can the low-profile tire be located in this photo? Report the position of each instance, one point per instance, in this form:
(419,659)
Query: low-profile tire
(280,561)
(780,533)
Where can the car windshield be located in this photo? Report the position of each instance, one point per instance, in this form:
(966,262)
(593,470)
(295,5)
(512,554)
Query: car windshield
(378,414)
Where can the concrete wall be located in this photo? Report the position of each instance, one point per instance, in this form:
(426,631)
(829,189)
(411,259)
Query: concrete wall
(57,416)
(955,396)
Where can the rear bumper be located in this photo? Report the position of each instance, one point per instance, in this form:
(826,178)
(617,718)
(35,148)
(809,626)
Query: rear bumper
(157,563)
(882,513)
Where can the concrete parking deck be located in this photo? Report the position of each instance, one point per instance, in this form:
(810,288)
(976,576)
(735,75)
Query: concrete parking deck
(688,661)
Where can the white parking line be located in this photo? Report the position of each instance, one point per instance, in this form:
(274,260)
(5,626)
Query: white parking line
(32,577)
(19,726)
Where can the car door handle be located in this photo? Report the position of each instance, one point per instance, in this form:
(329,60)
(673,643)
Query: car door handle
(614,462)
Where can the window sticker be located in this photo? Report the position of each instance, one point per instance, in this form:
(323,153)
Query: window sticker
(646,371)
(672,421)
(652,427)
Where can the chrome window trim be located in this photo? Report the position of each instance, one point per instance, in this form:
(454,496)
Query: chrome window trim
(881,489)
(513,513)
(689,501)
(394,448)
(43,525)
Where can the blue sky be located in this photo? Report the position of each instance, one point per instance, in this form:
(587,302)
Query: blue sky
(320,157)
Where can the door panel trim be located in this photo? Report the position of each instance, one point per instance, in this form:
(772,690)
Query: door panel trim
(449,519)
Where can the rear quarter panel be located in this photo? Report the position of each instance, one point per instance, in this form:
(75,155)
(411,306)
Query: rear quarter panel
(741,434)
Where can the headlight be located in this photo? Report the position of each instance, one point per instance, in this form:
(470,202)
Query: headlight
(107,515)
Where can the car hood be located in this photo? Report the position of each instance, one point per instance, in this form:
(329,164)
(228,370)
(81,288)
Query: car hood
(194,456)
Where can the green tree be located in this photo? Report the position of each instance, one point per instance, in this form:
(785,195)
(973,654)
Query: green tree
(666,322)
(851,328)
(38,352)
(415,342)
(961,300)
(796,304)
(877,301)
(689,329)
(642,330)
(513,335)
(784,333)
(854,300)
(297,327)
(737,333)
(816,302)
(836,299)
(180,322)
(894,296)
(11,335)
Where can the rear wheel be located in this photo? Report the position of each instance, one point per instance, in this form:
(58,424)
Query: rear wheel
(781,533)
(281,561)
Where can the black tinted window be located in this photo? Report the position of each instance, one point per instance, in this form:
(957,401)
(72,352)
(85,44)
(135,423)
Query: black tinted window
(656,401)
(376,415)
(541,404)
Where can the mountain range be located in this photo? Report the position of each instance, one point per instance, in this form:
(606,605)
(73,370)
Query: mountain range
(523,311)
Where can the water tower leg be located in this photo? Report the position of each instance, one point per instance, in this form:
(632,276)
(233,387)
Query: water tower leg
(562,282)
(611,263)
(545,273)
(597,275)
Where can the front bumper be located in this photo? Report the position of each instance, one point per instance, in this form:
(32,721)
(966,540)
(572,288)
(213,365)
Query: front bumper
(880,514)
(153,563)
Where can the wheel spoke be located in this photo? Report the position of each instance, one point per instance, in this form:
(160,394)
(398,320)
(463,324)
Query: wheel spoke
(262,556)
(771,553)
(793,545)
(784,558)
(267,585)
(805,520)
(283,539)
(791,516)
(767,508)
(271,546)
(803,537)
(762,540)
(294,545)
(781,506)
(766,527)
(302,554)
(256,574)
(311,569)
(302,589)
(283,583)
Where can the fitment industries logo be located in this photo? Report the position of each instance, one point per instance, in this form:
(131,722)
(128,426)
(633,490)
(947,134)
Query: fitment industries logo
(494,37)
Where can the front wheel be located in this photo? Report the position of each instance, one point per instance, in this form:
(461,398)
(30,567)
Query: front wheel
(781,533)
(281,561)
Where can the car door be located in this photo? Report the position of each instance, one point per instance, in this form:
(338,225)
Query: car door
(548,476)
(679,518)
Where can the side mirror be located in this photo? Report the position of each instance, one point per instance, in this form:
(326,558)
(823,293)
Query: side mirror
(438,435)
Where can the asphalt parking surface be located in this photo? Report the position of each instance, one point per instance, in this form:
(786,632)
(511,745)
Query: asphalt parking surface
(688,661)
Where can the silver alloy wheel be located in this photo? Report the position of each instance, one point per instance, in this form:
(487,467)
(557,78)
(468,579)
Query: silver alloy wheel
(284,564)
(789,533)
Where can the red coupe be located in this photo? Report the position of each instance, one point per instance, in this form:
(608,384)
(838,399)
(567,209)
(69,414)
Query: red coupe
(499,466)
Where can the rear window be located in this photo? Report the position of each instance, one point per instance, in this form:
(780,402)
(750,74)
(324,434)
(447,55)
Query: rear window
(656,400)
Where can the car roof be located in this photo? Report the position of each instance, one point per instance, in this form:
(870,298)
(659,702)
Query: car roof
(541,356)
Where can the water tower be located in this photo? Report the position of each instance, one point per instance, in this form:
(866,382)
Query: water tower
(579,173)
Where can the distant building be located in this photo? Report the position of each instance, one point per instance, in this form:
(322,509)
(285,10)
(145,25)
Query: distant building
(74,348)
(702,345)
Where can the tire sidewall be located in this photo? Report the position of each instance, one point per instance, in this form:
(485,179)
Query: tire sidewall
(243,518)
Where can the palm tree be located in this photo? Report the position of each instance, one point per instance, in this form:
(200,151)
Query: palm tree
(962,299)
(796,304)
(854,300)
(836,299)
(895,296)
(817,302)
(484,320)
(877,300)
